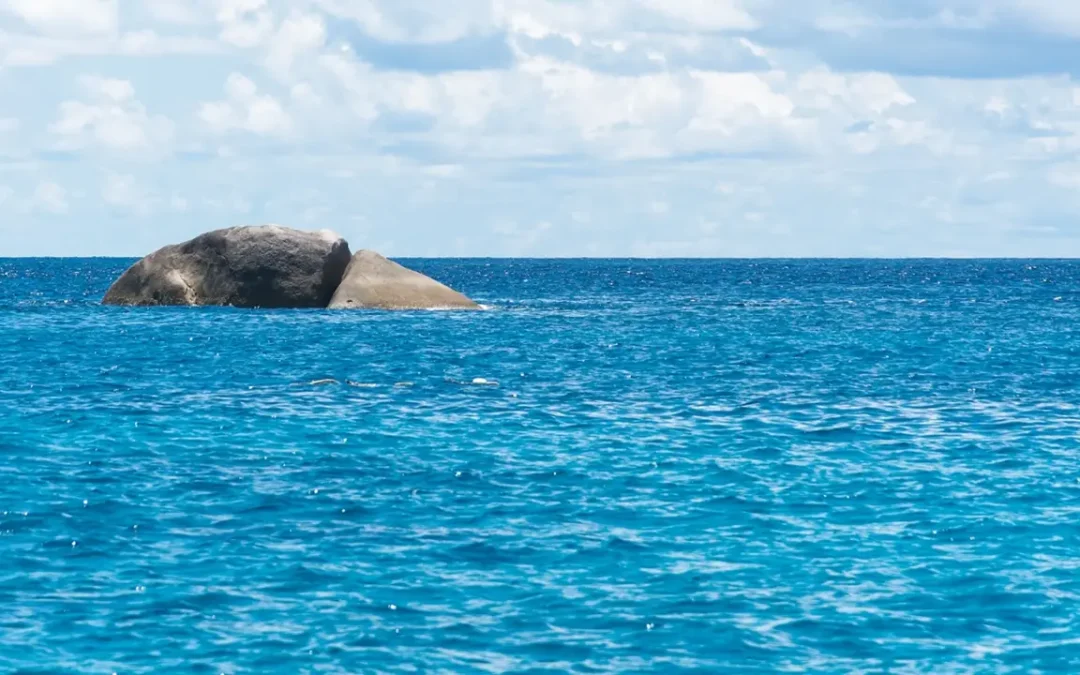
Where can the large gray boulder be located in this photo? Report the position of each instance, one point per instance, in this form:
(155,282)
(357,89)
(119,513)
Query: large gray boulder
(373,282)
(254,266)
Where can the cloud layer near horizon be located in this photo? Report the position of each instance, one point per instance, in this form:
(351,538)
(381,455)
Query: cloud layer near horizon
(545,127)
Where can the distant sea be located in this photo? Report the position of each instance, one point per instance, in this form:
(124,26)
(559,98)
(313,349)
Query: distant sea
(624,466)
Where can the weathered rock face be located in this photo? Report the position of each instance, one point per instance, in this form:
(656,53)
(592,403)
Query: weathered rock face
(373,282)
(255,266)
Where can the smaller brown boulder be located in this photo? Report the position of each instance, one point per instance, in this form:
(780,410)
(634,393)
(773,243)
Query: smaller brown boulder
(373,282)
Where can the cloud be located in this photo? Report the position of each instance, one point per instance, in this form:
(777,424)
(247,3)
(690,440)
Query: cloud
(124,192)
(244,23)
(1052,16)
(49,198)
(859,95)
(113,119)
(541,18)
(683,127)
(649,53)
(954,38)
(173,11)
(298,34)
(1065,176)
(66,17)
(468,52)
(37,50)
(415,20)
(150,43)
(704,15)
(245,109)
(549,106)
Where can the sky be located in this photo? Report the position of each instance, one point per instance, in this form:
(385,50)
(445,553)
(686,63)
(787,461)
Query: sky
(643,128)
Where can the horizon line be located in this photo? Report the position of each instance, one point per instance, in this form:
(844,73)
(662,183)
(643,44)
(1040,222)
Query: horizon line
(617,257)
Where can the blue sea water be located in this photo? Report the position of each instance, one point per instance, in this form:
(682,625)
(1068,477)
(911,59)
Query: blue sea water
(675,467)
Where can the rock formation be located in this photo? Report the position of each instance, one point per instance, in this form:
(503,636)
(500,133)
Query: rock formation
(276,267)
(373,282)
(256,266)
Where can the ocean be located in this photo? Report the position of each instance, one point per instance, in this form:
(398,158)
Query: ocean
(623,466)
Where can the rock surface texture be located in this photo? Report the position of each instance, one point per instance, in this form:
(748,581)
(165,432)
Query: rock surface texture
(373,282)
(254,266)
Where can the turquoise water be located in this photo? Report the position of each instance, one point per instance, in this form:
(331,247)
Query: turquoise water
(675,466)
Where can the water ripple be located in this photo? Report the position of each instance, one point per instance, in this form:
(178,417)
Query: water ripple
(625,466)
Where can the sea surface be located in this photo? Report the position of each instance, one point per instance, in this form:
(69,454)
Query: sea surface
(623,466)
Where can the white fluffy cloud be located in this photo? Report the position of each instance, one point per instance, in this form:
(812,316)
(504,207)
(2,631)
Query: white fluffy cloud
(49,198)
(544,105)
(124,192)
(244,23)
(601,126)
(66,16)
(297,35)
(112,119)
(422,21)
(1052,15)
(705,14)
(19,50)
(245,109)
(860,94)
